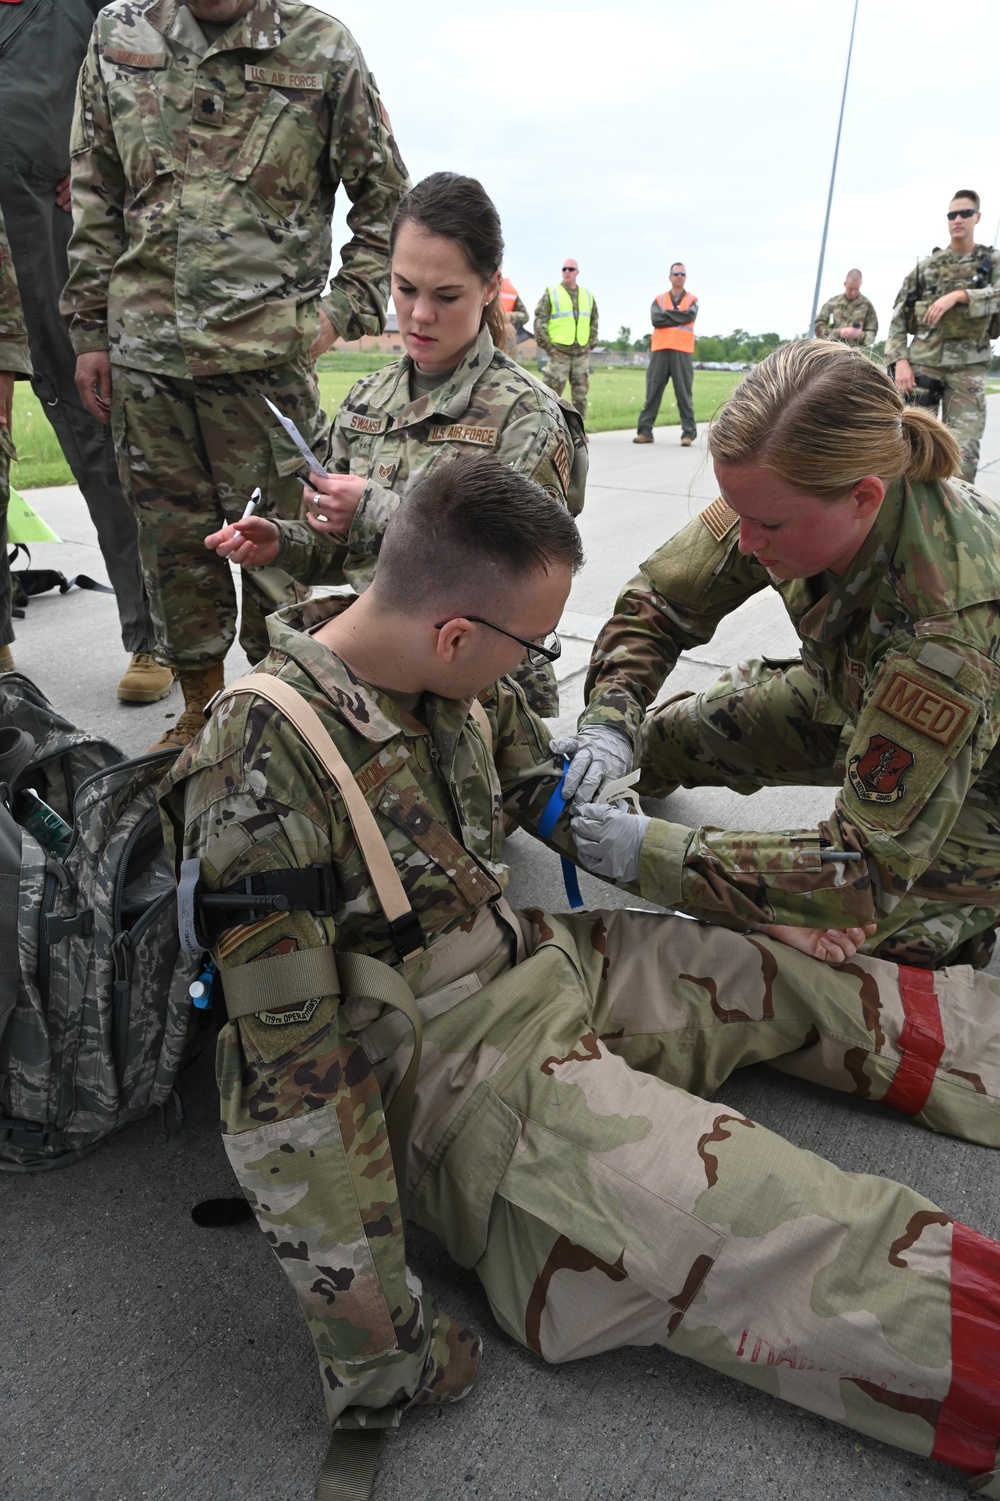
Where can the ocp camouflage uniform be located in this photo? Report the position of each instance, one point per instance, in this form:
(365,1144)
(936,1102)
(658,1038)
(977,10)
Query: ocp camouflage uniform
(204,176)
(956,352)
(560,1144)
(896,696)
(14,359)
(566,362)
(394,441)
(845,312)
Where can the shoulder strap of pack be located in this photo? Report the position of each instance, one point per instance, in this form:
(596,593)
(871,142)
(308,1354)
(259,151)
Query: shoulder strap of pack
(482,719)
(388,886)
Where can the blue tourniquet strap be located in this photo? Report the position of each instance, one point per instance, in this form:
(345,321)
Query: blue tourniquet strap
(546,824)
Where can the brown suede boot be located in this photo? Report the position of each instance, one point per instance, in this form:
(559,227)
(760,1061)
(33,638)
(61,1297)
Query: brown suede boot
(198,685)
(6,659)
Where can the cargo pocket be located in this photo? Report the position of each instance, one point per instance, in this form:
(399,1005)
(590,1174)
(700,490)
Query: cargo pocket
(297,1177)
(278,159)
(455,1195)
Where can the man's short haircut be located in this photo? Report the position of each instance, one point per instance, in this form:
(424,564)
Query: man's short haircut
(674,265)
(854,272)
(967,193)
(466,533)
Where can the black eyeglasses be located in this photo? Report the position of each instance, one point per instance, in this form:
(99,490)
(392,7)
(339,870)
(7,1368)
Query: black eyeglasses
(961,213)
(570,268)
(547,650)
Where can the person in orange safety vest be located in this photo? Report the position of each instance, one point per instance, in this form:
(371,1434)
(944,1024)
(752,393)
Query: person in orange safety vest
(671,357)
(510,301)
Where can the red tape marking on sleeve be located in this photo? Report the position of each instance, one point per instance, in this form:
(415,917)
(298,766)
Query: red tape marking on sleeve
(921,1042)
(968,1426)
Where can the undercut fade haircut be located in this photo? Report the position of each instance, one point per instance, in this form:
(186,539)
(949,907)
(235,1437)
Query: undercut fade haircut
(468,533)
(967,193)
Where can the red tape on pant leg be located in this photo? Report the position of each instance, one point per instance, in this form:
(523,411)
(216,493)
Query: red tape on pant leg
(968,1427)
(921,1042)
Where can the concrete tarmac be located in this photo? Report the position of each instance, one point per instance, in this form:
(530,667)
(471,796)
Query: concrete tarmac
(146,1358)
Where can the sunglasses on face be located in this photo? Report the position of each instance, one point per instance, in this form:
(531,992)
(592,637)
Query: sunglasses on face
(961,213)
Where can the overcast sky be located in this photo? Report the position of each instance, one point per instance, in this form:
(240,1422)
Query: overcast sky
(702,133)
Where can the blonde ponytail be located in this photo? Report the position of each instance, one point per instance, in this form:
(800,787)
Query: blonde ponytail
(934,452)
(821,416)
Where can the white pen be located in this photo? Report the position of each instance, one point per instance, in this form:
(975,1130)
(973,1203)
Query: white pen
(251,506)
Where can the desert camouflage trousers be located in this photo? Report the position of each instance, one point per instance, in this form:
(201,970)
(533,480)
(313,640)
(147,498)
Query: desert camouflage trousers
(754,728)
(571,365)
(563,1146)
(190,453)
(963,409)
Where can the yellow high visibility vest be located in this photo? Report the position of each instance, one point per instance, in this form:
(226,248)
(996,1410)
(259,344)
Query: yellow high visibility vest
(564,329)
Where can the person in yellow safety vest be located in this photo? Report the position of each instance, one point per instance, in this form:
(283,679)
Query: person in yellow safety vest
(515,311)
(566,329)
(670,358)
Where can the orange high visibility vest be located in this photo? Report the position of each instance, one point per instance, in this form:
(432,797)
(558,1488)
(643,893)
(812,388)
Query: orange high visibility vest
(508,295)
(674,338)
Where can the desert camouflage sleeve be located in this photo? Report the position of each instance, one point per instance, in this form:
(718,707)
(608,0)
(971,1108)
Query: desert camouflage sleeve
(869,329)
(676,602)
(366,159)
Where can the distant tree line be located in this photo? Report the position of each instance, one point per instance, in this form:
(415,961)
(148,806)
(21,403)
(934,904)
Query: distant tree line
(724,348)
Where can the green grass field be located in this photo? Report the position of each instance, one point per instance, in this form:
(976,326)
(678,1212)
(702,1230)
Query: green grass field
(616,398)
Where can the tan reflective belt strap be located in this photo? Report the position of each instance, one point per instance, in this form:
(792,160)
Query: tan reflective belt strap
(348,1472)
(361,975)
(280,980)
(387,884)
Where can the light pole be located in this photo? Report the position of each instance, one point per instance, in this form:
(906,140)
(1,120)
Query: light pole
(833,174)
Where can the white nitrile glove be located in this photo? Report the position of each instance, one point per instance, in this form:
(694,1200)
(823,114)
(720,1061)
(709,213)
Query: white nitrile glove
(608,839)
(597,755)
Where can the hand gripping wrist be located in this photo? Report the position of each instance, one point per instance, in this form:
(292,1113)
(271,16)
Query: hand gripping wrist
(598,755)
(609,839)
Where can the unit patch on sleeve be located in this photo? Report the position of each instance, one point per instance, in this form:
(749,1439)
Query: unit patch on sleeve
(876,775)
(719,518)
(929,710)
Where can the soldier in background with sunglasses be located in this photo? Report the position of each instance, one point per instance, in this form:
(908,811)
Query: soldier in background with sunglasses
(949,306)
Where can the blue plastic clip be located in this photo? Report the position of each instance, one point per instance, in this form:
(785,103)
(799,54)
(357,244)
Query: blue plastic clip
(553,811)
(200,990)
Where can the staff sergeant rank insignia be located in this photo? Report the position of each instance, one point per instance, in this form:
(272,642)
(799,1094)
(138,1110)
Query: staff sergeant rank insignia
(876,776)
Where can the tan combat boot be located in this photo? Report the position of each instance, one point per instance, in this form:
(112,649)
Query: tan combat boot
(198,685)
(145,680)
(6,659)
